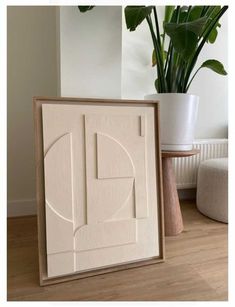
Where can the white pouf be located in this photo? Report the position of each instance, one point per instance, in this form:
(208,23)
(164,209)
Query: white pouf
(212,189)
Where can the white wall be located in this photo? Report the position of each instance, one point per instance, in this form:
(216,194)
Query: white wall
(138,77)
(213,89)
(90,52)
(32,70)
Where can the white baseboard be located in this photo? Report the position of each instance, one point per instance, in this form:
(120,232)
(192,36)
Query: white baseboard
(24,207)
(21,207)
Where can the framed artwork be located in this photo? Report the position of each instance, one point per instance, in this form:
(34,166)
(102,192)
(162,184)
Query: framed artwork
(99,186)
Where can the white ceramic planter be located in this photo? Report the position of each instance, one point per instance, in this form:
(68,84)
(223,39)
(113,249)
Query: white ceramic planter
(178,115)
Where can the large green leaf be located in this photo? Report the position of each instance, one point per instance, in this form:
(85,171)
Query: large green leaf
(184,36)
(169,10)
(84,8)
(215,65)
(199,11)
(134,15)
(210,13)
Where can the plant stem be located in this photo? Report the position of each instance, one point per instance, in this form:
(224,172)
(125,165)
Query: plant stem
(170,61)
(178,13)
(188,13)
(180,75)
(175,73)
(168,55)
(204,10)
(192,79)
(158,36)
(157,26)
(162,81)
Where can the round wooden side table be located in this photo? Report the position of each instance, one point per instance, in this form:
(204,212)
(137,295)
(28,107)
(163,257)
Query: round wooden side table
(172,212)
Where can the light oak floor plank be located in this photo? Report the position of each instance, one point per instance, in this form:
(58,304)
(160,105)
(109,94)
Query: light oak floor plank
(195,269)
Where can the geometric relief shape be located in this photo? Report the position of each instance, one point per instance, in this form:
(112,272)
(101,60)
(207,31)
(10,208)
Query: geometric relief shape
(141,203)
(113,163)
(59,232)
(106,197)
(113,159)
(60,264)
(142,125)
(58,176)
(107,234)
(141,196)
(127,210)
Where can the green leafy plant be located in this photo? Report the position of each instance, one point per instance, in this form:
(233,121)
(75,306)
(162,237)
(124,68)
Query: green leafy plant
(185,31)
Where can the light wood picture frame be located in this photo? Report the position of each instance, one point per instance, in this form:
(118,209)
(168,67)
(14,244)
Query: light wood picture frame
(98,186)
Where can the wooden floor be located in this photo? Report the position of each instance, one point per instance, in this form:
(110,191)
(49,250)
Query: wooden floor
(195,268)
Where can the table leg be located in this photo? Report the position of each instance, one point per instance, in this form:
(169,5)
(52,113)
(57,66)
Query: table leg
(172,212)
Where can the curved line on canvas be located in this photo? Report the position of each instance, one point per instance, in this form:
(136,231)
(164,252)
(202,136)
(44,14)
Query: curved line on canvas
(123,205)
(57,213)
(124,149)
(54,142)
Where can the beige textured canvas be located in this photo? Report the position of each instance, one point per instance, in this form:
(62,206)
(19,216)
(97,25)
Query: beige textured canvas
(100,186)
